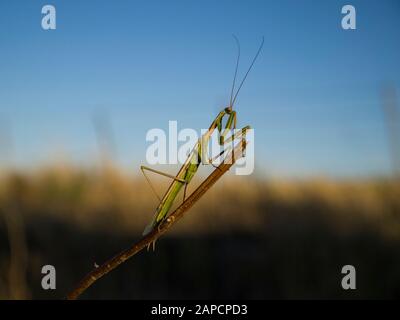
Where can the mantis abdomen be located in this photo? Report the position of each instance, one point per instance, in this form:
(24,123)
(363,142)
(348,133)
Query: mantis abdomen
(186,173)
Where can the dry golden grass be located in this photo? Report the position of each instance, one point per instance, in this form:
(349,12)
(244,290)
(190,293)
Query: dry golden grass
(109,199)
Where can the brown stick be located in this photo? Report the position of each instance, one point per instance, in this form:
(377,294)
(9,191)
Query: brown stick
(121,257)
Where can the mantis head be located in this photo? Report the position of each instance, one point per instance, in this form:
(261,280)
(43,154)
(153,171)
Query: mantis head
(228,110)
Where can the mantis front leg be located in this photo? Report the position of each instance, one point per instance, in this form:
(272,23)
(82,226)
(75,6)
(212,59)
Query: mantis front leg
(230,124)
(241,134)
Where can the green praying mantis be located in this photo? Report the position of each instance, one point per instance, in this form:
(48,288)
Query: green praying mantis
(199,152)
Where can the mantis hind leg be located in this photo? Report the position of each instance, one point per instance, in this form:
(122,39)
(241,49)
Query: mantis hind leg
(143,168)
(153,244)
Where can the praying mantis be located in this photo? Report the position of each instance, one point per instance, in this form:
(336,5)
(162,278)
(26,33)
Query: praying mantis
(199,151)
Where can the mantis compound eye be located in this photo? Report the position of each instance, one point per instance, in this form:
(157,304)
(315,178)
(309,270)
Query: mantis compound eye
(228,109)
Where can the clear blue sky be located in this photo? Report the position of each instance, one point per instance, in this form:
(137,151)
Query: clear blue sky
(313,96)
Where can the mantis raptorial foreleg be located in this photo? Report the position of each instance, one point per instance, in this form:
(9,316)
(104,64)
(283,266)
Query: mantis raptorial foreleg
(241,134)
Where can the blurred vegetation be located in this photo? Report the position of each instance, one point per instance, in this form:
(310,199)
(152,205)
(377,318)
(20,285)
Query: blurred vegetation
(246,238)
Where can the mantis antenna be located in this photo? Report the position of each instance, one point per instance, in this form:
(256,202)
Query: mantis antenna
(248,70)
(236,69)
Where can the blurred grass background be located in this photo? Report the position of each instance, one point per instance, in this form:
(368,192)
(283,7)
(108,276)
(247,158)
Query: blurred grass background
(246,238)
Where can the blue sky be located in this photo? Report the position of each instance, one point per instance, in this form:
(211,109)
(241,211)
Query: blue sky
(313,96)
